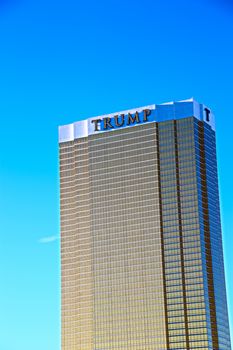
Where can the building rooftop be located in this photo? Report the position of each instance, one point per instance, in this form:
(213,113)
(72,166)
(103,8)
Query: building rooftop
(152,113)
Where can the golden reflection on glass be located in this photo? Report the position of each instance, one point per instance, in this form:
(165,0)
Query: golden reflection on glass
(131,241)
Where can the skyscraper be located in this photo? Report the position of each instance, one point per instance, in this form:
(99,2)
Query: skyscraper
(141,243)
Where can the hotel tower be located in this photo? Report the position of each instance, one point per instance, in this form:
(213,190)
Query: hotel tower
(141,243)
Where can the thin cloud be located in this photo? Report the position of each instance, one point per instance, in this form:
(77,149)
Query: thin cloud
(48,239)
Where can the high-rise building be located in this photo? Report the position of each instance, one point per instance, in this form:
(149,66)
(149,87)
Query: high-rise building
(141,243)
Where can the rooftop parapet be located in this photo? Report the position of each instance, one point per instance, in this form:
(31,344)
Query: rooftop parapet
(137,116)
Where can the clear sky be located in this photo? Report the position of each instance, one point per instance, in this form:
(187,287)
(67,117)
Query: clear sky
(65,60)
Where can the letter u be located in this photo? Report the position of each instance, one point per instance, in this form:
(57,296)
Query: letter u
(116,119)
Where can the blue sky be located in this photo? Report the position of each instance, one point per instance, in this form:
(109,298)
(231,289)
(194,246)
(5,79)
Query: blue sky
(65,60)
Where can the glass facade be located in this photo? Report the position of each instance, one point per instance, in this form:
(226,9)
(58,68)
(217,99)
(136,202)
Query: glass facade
(141,246)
